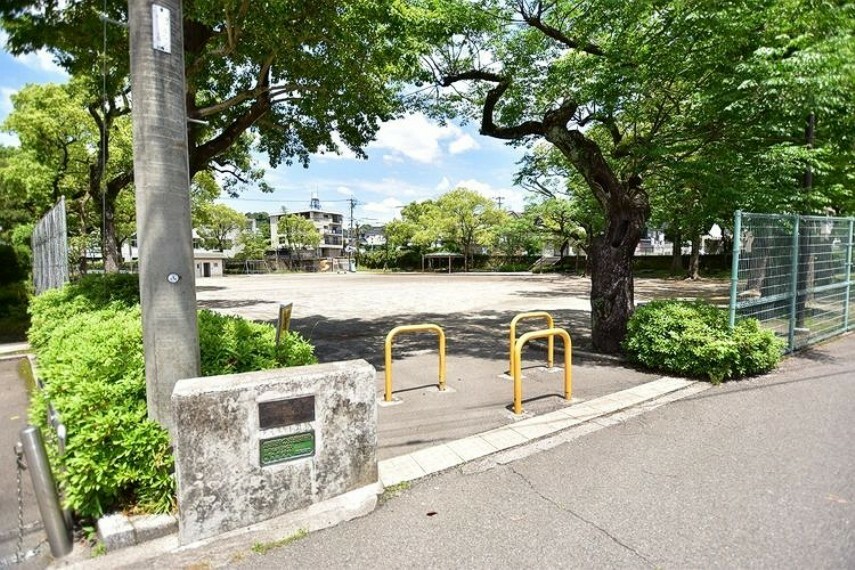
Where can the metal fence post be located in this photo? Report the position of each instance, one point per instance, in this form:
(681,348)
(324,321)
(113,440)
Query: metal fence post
(848,300)
(44,488)
(794,284)
(734,272)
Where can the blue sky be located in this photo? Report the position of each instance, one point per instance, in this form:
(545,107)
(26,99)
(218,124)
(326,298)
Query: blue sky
(412,159)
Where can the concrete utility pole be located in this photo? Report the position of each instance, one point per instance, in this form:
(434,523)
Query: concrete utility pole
(352,244)
(162,180)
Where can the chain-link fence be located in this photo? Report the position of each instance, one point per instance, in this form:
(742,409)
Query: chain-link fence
(50,250)
(794,274)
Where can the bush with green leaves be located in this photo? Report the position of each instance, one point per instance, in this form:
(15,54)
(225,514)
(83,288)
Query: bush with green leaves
(90,293)
(693,338)
(88,340)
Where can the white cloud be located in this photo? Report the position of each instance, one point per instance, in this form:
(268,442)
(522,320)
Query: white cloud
(463,144)
(387,208)
(444,185)
(6,100)
(344,153)
(8,139)
(344,190)
(417,138)
(41,61)
(392,158)
(512,198)
(481,187)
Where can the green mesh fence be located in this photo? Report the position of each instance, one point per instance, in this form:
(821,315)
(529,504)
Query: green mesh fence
(794,274)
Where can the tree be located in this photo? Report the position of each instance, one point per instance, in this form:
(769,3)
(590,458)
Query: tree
(286,79)
(299,234)
(624,90)
(517,237)
(253,245)
(60,156)
(459,219)
(218,225)
(558,220)
(466,219)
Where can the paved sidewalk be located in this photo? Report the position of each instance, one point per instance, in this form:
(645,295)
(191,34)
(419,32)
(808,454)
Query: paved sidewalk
(13,415)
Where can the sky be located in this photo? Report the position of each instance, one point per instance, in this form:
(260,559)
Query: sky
(412,159)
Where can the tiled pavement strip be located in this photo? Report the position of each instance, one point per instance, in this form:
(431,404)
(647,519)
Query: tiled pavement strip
(600,411)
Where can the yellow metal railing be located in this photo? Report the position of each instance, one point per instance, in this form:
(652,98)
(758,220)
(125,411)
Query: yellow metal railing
(409,329)
(550,324)
(517,371)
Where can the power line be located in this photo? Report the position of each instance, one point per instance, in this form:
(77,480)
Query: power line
(274,200)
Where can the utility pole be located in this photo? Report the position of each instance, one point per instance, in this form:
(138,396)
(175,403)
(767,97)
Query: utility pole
(499,200)
(351,243)
(162,181)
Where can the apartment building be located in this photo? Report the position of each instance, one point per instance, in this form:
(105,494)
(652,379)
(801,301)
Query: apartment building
(330,226)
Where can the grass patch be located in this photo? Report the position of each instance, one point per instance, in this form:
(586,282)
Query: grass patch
(265,547)
(99,550)
(393,491)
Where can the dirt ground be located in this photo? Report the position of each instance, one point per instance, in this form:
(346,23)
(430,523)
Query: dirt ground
(340,312)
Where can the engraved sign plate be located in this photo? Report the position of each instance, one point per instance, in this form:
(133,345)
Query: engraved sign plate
(281,413)
(286,448)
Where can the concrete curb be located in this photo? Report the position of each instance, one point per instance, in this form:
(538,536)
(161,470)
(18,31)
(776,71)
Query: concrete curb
(431,460)
(226,549)
(14,349)
(119,531)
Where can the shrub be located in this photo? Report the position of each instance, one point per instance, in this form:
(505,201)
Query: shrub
(92,365)
(13,312)
(693,338)
(90,293)
(231,344)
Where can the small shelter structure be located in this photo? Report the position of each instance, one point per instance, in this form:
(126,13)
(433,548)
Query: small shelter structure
(429,257)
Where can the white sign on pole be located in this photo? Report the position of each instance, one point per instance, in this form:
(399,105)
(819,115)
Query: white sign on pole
(161,33)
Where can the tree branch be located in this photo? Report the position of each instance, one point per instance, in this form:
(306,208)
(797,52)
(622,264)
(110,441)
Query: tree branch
(230,171)
(534,20)
(488,127)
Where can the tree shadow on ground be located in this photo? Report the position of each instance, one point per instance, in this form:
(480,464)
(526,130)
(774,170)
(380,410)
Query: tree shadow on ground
(481,335)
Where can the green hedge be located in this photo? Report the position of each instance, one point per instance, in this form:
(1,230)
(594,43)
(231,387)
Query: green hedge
(88,340)
(693,338)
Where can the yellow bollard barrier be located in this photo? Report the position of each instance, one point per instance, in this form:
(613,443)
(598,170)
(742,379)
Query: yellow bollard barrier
(413,328)
(568,378)
(550,324)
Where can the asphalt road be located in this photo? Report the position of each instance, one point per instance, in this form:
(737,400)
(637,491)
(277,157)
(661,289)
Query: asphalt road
(752,474)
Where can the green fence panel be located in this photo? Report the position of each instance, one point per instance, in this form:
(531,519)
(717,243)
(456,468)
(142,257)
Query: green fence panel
(794,274)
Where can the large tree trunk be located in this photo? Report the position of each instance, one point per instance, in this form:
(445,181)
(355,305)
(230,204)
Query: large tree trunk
(626,208)
(677,255)
(612,288)
(695,258)
(109,248)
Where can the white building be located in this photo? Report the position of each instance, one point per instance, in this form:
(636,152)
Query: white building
(330,226)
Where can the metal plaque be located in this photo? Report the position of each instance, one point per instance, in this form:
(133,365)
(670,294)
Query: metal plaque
(286,448)
(281,413)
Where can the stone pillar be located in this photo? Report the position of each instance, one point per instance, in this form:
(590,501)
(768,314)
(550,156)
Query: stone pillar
(253,446)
